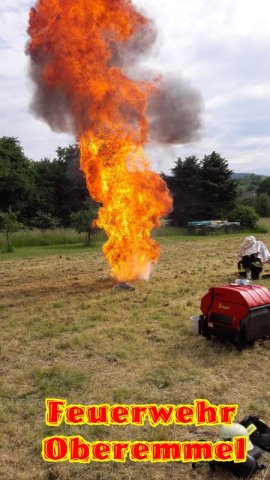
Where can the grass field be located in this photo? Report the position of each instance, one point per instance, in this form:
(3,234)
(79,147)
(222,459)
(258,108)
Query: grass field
(66,332)
(265,222)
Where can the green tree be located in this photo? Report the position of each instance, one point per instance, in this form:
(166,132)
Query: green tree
(247,198)
(218,190)
(183,185)
(60,185)
(262,205)
(50,183)
(245,215)
(44,221)
(264,186)
(16,176)
(201,190)
(73,192)
(8,225)
(82,220)
(247,182)
(255,181)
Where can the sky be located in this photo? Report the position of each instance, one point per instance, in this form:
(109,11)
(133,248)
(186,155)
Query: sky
(220,47)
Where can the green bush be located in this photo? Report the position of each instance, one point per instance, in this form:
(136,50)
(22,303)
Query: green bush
(82,220)
(245,215)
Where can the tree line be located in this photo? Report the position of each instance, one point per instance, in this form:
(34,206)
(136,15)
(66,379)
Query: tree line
(254,190)
(44,194)
(52,193)
(201,190)
(208,189)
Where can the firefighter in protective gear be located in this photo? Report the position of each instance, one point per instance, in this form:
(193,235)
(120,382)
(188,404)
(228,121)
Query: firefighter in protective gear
(250,264)
(251,257)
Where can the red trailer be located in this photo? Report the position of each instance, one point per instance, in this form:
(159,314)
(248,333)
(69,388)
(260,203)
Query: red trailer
(240,313)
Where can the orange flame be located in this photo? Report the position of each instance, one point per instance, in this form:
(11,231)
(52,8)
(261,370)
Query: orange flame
(72,53)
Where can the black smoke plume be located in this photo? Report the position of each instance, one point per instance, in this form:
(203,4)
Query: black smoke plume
(174,112)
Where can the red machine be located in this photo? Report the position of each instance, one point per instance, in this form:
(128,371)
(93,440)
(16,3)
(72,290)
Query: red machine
(240,313)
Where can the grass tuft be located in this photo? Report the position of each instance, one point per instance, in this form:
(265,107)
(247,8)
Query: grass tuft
(57,380)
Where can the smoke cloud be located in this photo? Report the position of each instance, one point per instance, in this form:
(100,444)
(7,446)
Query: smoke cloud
(174,112)
(127,55)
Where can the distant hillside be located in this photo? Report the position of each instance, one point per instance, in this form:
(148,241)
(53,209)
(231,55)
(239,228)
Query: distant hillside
(248,183)
(237,175)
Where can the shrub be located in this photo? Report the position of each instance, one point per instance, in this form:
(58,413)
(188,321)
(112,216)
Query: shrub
(260,229)
(245,215)
(82,220)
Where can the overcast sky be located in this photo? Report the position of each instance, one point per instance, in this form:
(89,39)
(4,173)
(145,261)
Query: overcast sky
(221,47)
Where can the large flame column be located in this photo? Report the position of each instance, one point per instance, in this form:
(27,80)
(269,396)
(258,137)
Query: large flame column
(133,199)
(77,50)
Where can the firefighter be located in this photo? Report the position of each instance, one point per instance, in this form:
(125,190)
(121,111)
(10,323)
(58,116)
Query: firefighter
(251,256)
(250,266)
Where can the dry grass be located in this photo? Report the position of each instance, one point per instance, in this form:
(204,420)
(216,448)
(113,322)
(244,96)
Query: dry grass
(66,332)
